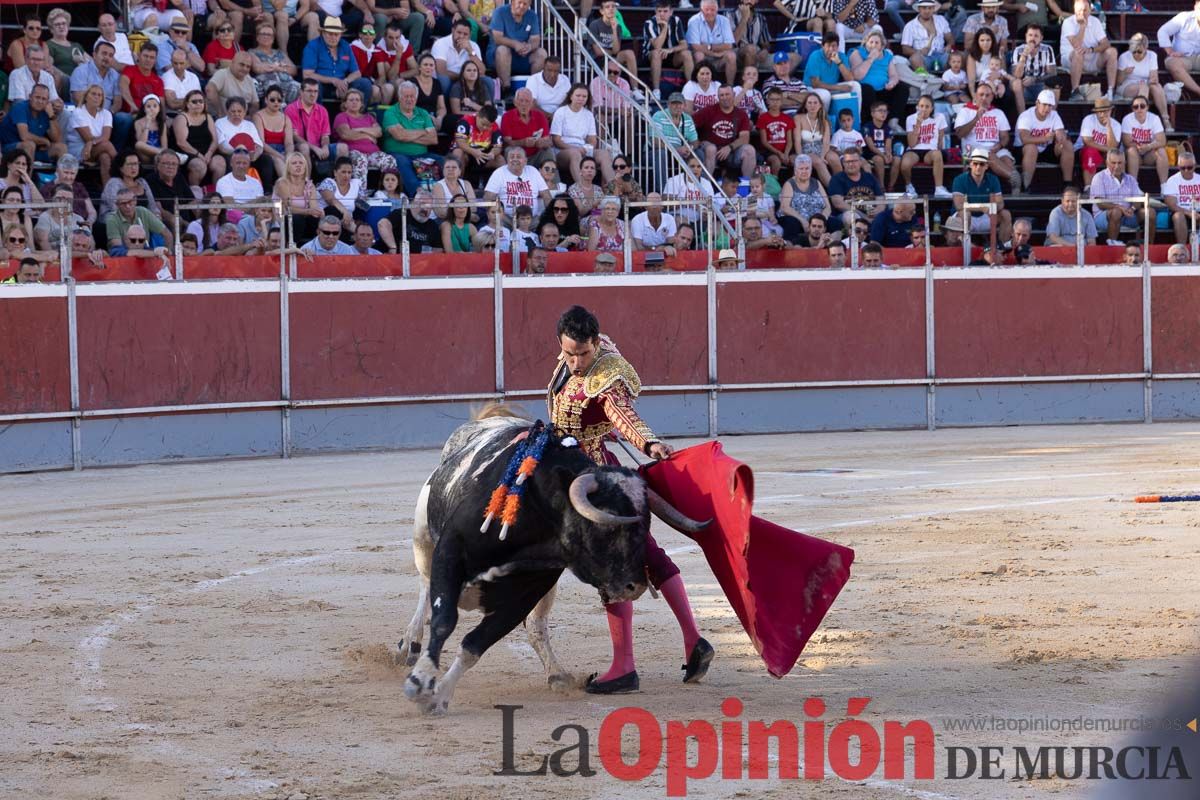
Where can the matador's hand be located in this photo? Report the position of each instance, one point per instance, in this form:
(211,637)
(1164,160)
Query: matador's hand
(660,450)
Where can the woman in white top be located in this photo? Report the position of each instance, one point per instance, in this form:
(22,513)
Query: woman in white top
(449,186)
(1144,139)
(549,172)
(701,91)
(925,130)
(1137,75)
(574,133)
(341,192)
(689,186)
(89,136)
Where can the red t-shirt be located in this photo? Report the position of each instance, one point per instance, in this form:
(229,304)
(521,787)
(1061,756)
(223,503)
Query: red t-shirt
(141,85)
(214,53)
(779,128)
(720,128)
(512,126)
(369,60)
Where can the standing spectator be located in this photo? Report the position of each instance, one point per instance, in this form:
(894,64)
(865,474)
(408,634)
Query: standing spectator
(327,242)
(827,73)
(573,129)
(409,134)
(515,44)
(711,38)
(1114,184)
(122,55)
(1044,137)
(329,61)
(663,42)
(1144,139)
(1137,75)
(1179,38)
(977,185)
(196,136)
(1181,193)
(550,86)
(526,126)
(141,79)
(237,184)
(724,131)
(990,18)
(451,52)
(516,183)
(652,229)
(30,128)
(233,81)
(775,132)
(850,185)
(271,67)
(701,91)
(1034,68)
(984,128)
(220,51)
(751,36)
(178,38)
(1062,228)
(89,132)
(1097,135)
(1084,47)
(178,82)
(800,200)
(34,73)
(310,122)
(874,67)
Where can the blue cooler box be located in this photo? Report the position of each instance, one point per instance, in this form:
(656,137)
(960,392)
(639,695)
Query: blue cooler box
(802,43)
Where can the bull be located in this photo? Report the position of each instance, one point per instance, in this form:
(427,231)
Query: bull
(574,515)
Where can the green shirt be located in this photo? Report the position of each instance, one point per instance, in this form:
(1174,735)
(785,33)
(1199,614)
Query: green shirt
(419,121)
(116,226)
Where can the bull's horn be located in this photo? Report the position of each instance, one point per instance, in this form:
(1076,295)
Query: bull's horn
(581,487)
(672,516)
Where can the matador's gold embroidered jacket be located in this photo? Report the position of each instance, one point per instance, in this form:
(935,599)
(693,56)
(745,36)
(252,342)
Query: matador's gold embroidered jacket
(588,407)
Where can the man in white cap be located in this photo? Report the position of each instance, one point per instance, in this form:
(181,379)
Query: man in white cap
(987,17)
(1084,47)
(1044,136)
(1179,39)
(977,185)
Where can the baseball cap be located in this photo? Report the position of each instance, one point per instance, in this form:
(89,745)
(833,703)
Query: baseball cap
(606,258)
(781,57)
(676,97)
(1046,96)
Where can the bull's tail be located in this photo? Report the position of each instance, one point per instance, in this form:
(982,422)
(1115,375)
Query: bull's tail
(497,410)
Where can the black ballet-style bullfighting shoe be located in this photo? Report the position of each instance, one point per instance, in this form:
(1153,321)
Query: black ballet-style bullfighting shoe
(697,663)
(622,685)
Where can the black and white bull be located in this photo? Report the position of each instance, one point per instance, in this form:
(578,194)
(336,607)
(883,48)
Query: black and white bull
(574,515)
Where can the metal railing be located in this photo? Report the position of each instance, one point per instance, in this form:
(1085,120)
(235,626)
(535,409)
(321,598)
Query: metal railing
(276,205)
(708,230)
(873,206)
(1142,200)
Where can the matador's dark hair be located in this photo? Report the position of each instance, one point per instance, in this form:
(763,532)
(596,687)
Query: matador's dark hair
(579,324)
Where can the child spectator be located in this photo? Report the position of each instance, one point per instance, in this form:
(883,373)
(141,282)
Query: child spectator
(954,79)
(845,136)
(877,144)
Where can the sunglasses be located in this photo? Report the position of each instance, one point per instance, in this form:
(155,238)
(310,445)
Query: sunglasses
(224,30)
(563,209)
(620,166)
(15,240)
(329,233)
(1187,168)
(137,241)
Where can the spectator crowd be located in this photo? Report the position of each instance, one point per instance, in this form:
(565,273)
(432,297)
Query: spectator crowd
(446,124)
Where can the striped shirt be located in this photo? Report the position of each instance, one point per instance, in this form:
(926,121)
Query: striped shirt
(1106,187)
(651,29)
(1039,63)
(668,131)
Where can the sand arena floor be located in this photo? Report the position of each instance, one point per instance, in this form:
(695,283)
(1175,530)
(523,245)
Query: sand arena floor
(225,630)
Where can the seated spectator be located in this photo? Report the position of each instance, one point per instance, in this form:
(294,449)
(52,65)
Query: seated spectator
(34,73)
(54,225)
(1113,184)
(855,20)
(926,40)
(550,239)
(849,188)
(536,263)
(451,52)
(329,61)
(237,184)
(220,51)
(985,128)
(724,131)
(988,17)
(564,216)
(663,42)
(127,214)
(549,87)
(523,235)
(66,172)
(1085,32)
(701,91)
(693,189)
(614,113)
(874,67)
(196,137)
(149,15)
(727,259)
(14,218)
(341,193)
(451,184)
(926,130)
(826,73)
(99,71)
(516,183)
(235,132)
(471,92)
(919,239)
(347,13)
(178,82)
(871,257)
(230,82)
(526,126)
(16,166)
(410,134)
(189,245)
(1098,134)
(402,63)
(753,238)
(477,143)
(606,231)
(1144,139)
(1180,193)
(574,131)
(168,185)
(29,128)
(429,90)
(606,41)
(515,44)
(137,244)
(272,67)
(1177,254)
(361,132)
(605,264)
(149,130)
(818,235)
(364,240)
(1132,256)
(752,38)
(837,255)
(119,42)
(31,36)
(1034,68)
(457,231)
(140,80)
(711,38)
(675,128)
(421,229)
(1044,138)
(311,127)
(493,233)
(586,192)
(373,62)
(652,229)
(978,185)
(1179,38)
(1063,226)
(300,196)
(746,95)
(685,237)
(89,132)
(844,137)
(84,250)
(178,39)
(327,242)
(129,168)
(623,186)
(30,270)
(893,226)
(417,22)
(275,129)
(1137,75)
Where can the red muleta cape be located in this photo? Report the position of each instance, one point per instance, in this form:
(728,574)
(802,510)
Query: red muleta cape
(779,581)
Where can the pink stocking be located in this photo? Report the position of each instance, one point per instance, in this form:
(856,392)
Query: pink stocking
(677,599)
(620,628)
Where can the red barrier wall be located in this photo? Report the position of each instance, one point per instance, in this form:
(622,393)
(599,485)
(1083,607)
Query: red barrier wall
(1175,311)
(35,370)
(661,329)
(386,343)
(820,330)
(1038,327)
(178,349)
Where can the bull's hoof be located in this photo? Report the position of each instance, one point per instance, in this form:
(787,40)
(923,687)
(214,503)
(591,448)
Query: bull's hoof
(419,689)
(563,682)
(410,652)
